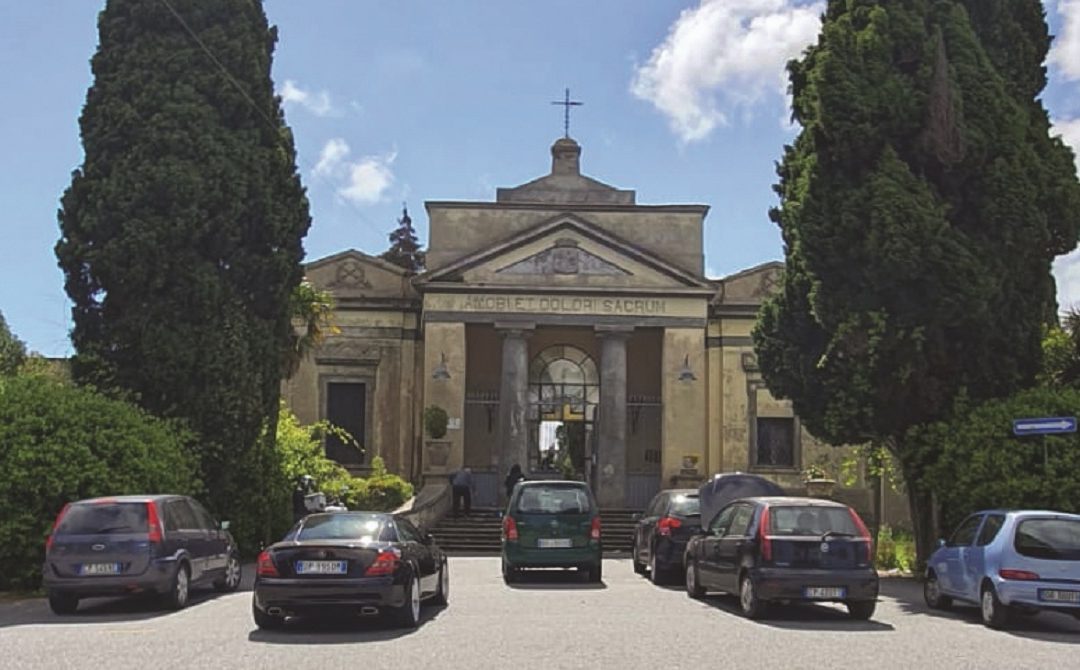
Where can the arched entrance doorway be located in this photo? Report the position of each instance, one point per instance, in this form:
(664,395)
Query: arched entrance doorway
(564,399)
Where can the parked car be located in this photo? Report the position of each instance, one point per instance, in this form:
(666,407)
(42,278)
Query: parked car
(724,487)
(350,562)
(163,544)
(1006,562)
(662,532)
(773,549)
(551,524)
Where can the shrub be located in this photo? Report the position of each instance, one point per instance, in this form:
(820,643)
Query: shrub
(59,444)
(895,550)
(435,422)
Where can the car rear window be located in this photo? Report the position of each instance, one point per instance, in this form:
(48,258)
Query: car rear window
(554,499)
(685,505)
(1055,539)
(104,519)
(361,527)
(811,520)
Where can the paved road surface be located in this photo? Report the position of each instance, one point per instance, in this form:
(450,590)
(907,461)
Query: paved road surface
(550,621)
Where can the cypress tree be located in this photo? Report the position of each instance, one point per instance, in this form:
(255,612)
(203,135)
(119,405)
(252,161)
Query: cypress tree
(181,233)
(404,248)
(921,207)
(12,349)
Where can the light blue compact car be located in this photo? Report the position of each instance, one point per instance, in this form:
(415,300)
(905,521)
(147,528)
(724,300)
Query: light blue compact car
(1008,561)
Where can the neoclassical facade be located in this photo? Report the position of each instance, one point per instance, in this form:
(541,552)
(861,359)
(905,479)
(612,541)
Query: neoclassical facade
(563,327)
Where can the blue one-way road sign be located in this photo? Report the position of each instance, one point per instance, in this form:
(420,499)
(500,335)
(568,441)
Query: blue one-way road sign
(1046,426)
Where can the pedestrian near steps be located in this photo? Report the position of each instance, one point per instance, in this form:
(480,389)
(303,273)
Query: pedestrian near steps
(461,482)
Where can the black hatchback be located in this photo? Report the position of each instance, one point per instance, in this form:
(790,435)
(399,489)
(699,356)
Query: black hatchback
(770,550)
(158,544)
(663,531)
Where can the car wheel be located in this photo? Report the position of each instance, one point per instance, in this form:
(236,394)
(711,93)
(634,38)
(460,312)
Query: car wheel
(442,592)
(639,567)
(596,573)
(656,575)
(693,587)
(932,594)
(510,573)
(861,609)
(230,581)
(63,603)
(408,615)
(752,607)
(995,613)
(177,596)
(266,621)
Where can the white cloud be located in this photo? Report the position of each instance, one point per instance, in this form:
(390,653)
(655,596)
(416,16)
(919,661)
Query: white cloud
(1069,129)
(318,104)
(1067,274)
(1066,51)
(333,153)
(369,179)
(725,56)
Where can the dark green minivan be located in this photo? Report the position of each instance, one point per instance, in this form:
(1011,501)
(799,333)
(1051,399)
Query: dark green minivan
(551,524)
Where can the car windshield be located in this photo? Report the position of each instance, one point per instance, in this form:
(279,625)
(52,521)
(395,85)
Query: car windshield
(104,519)
(554,500)
(811,521)
(684,505)
(1055,539)
(360,527)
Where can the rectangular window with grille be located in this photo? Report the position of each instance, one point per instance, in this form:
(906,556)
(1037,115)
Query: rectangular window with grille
(345,408)
(775,443)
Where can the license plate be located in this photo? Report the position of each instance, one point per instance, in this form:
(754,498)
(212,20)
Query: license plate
(320,567)
(554,543)
(824,592)
(1054,596)
(89,569)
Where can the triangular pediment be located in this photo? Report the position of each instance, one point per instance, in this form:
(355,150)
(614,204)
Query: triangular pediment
(751,286)
(354,274)
(565,251)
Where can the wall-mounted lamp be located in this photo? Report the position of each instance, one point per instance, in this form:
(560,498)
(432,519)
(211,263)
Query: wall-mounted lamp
(686,374)
(441,371)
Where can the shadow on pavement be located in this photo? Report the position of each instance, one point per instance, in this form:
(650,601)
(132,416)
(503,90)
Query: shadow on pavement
(802,616)
(35,611)
(341,630)
(554,580)
(1044,626)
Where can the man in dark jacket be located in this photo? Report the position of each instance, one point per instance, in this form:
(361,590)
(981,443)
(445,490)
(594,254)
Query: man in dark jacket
(461,482)
(513,478)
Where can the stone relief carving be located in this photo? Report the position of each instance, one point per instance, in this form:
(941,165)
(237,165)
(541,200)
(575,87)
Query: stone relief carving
(350,274)
(564,258)
(344,349)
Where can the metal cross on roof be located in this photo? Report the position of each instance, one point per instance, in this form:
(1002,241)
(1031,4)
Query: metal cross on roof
(567,104)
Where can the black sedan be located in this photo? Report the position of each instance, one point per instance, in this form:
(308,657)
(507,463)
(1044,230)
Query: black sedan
(351,562)
(662,532)
(768,550)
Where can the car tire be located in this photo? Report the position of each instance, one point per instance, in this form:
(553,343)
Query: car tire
(935,600)
(993,612)
(408,614)
(230,581)
(861,609)
(442,592)
(693,584)
(750,604)
(180,591)
(596,573)
(266,621)
(639,567)
(63,603)
(509,572)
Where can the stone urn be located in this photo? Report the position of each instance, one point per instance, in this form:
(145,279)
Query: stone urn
(820,488)
(438,453)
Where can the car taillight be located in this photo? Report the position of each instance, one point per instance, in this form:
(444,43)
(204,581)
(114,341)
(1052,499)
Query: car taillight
(594,531)
(154,522)
(56,523)
(667,524)
(763,535)
(510,533)
(385,564)
(1022,575)
(265,566)
(865,533)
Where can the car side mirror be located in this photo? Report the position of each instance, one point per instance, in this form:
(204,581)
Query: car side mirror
(427,538)
(940,543)
(224,525)
(636,516)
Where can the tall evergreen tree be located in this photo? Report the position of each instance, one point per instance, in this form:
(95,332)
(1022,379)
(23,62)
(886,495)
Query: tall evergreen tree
(404,248)
(921,207)
(181,233)
(12,349)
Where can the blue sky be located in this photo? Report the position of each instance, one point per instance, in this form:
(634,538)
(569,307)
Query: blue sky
(412,100)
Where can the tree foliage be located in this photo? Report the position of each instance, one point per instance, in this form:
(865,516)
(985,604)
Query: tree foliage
(921,206)
(181,232)
(312,311)
(405,248)
(12,349)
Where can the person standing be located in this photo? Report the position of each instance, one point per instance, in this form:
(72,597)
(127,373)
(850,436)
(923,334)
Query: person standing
(513,478)
(461,482)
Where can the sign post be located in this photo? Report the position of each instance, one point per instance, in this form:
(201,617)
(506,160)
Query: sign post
(1055,425)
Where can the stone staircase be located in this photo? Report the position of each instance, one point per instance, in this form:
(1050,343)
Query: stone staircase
(480,533)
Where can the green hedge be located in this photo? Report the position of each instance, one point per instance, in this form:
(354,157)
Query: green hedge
(58,444)
(975,462)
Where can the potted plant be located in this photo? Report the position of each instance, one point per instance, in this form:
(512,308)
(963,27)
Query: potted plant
(818,483)
(435,423)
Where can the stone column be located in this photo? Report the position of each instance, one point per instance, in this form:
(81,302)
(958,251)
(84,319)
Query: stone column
(610,477)
(513,402)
